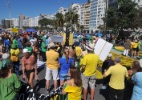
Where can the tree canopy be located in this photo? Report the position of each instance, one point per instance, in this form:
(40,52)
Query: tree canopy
(123,17)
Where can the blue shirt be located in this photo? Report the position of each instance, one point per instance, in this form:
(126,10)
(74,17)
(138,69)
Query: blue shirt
(7,42)
(64,66)
(137,90)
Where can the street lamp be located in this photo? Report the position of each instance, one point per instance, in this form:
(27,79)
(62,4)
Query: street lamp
(9,8)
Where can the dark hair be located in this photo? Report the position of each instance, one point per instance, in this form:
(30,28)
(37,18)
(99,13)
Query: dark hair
(28,44)
(75,74)
(136,66)
(66,54)
(5,70)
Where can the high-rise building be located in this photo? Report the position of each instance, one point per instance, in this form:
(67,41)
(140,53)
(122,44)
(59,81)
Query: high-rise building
(85,16)
(21,18)
(97,13)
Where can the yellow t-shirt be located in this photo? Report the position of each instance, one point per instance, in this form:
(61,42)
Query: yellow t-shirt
(52,59)
(118,74)
(14,54)
(90,61)
(78,51)
(135,45)
(74,92)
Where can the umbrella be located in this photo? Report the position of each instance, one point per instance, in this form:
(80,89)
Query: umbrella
(30,30)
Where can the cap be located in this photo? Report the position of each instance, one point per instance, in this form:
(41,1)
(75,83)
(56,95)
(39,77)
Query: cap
(109,55)
(25,50)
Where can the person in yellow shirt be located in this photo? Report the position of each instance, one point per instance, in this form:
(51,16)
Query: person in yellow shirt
(52,66)
(89,67)
(134,48)
(73,87)
(116,85)
(14,57)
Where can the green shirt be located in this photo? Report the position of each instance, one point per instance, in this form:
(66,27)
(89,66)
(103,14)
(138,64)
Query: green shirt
(15,42)
(43,47)
(9,87)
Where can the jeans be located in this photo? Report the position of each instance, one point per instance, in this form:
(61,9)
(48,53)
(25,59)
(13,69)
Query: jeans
(116,94)
(16,67)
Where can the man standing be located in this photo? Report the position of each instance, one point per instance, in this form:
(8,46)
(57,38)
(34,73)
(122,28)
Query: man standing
(52,66)
(116,84)
(127,47)
(29,67)
(106,64)
(89,67)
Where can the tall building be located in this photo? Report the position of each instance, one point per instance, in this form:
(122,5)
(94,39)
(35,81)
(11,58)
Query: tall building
(21,18)
(97,12)
(15,22)
(5,23)
(85,16)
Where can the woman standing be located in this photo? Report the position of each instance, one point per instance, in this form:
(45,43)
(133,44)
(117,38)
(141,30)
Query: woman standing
(65,63)
(9,83)
(137,79)
(73,87)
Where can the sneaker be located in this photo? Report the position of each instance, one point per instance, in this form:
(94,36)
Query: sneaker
(103,87)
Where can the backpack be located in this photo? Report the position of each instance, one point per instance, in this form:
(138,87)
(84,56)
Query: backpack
(14,55)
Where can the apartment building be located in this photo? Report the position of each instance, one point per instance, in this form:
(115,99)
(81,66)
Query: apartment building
(85,16)
(97,13)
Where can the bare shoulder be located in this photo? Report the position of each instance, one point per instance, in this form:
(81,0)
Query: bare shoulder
(32,56)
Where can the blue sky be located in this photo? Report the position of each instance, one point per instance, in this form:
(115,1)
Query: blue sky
(33,8)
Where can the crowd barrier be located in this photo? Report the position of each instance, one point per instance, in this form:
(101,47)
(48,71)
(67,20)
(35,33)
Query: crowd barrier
(26,93)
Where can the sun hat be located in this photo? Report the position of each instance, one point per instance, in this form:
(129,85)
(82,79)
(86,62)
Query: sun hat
(5,63)
(90,47)
(51,45)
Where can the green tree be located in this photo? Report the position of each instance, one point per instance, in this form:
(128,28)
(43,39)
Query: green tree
(59,22)
(71,18)
(122,17)
(44,22)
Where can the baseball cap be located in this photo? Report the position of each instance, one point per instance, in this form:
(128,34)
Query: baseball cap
(25,50)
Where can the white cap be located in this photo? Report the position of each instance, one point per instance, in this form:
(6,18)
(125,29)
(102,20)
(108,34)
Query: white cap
(109,55)
(25,50)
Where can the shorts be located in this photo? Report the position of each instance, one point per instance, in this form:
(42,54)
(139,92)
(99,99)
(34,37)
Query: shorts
(64,77)
(51,73)
(28,72)
(91,80)
(135,49)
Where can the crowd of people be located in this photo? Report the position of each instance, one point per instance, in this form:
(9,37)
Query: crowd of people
(75,66)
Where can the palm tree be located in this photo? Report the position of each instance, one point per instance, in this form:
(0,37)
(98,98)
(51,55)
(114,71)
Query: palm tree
(59,20)
(71,18)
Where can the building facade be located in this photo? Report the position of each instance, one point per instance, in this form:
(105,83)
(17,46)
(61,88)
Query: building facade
(85,16)
(21,18)
(97,13)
